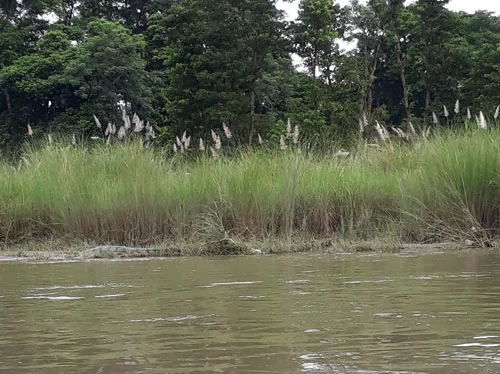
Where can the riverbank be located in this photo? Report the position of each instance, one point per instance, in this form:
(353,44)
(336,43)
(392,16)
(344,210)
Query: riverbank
(428,190)
(57,250)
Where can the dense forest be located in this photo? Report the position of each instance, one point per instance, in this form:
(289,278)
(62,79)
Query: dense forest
(192,65)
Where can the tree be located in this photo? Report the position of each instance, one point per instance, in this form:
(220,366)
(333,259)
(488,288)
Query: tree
(367,21)
(214,55)
(262,36)
(33,82)
(397,21)
(60,86)
(431,48)
(315,34)
(319,26)
(108,73)
(480,42)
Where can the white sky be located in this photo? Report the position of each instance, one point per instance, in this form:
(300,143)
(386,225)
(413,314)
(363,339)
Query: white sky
(466,5)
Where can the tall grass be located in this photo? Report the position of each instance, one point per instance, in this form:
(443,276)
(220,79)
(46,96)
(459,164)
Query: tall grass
(454,189)
(443,188)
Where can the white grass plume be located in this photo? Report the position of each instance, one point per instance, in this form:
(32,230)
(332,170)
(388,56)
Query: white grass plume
(150,132)
(215,155)
(126,121)
(227,132)
(434,118)
(295,138)
(109,129)
(411,128)
(97,122)
(426,131)
(282,143)
(482,121)
(139,126)
(135,119)
(122,132)
(398,132)
(216,139)
(382,132)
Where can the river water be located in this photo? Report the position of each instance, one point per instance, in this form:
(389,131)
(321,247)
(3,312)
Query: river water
(352,313)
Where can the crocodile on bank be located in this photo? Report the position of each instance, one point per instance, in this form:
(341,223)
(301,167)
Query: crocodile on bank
(221,247)
(116,251)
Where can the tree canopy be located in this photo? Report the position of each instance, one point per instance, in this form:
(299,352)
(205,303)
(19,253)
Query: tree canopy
(192,65)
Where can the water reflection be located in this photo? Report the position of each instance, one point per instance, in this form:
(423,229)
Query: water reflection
(433,313)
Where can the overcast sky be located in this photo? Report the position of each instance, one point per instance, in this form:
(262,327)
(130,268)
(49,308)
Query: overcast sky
(466,5)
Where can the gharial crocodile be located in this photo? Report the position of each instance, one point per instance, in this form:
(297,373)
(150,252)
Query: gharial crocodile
(116,251)
(223,247)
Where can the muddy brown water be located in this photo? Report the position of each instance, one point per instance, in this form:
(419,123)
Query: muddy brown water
(405,313)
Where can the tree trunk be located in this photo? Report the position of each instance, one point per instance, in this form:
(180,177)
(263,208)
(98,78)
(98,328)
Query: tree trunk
(251,122)
(427,106)
(406,102)
(401,60)
(331,96)
(402,73)
(9,111)
(7,100)
(369,100)
(365,106)
(361,114)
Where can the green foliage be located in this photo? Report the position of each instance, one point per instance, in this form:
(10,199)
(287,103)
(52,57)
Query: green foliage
(195,64)
(214,56)
(319,25)
(34,80)
(60,86)
(108,72)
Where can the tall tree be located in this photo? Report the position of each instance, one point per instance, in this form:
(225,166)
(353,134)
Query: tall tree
(316,33)
(108,72)
(262,36)
(479,40)
(214,54)
(433,31)
(33,83)
(367,21)
(61,85)
(397,21)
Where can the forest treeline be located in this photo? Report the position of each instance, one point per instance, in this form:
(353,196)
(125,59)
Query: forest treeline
(192,65)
